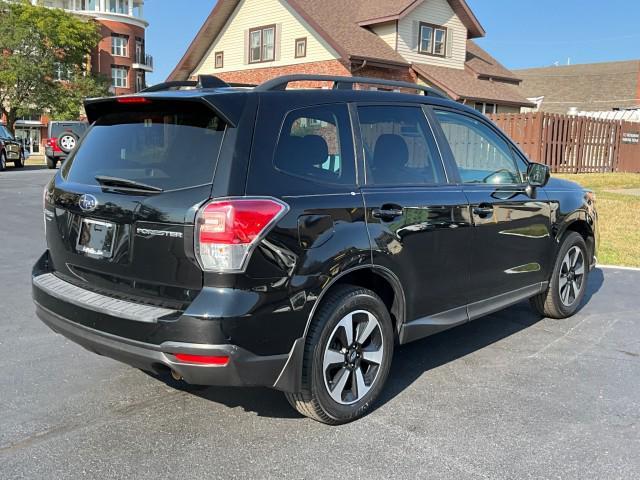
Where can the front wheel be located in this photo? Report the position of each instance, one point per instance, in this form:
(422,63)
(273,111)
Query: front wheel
(3,161)
(347,356)
(20,162)
(568,281)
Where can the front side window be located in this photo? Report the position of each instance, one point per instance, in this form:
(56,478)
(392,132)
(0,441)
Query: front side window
(262,42)
(119,77)
(119,46)
(314,144)
(399,147)
(432,39)
(164,144)
(481,155)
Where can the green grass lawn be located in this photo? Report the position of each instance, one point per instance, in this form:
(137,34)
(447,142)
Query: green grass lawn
(619,215)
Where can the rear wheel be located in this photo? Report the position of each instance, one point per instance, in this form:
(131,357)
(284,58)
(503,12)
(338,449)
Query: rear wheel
(568,281)
(51,163)
(347,357)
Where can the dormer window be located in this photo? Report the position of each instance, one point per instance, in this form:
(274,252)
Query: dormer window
(432,39)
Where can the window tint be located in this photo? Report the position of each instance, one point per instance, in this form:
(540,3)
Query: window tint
(58,128)
(481,155)
(164,145)
(399,146)
(314,144)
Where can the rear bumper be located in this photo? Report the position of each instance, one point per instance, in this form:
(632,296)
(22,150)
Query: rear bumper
(243,369)
(149,337)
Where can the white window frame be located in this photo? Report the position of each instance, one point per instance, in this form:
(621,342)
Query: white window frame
(119,77)
(119,45)
(423,27)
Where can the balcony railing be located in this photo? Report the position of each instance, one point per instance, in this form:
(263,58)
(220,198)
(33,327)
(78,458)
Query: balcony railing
(146,60)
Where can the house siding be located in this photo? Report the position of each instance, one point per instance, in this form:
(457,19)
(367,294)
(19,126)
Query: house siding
(437,12)
(255,13)
(387,32)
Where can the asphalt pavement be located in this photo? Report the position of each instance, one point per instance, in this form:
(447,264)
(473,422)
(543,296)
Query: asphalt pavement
(508,396)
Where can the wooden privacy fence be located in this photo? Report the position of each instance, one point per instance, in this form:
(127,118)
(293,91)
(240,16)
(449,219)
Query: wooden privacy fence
(574,144)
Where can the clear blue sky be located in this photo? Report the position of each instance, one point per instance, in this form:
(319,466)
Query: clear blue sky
(520,33)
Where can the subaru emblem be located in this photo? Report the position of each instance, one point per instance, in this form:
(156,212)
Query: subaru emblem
(88,203)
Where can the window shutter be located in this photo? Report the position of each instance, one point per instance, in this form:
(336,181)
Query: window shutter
(415,33)
(278,45)
(449,42)
(245,59)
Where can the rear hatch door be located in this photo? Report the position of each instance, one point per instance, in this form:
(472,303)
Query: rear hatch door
(120,213)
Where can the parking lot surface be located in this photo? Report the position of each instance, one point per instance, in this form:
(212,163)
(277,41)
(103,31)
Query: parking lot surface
(508,396)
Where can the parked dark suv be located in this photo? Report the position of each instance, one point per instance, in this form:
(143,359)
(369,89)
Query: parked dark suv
(11,149)
(292,238)
(62,139)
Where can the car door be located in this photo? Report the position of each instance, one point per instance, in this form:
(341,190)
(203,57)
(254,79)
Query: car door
(511,235)
(418,222)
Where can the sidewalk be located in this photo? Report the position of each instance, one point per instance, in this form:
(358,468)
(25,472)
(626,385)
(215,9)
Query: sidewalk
(36,160)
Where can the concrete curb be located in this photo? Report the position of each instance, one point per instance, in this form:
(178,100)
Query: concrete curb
(619,267)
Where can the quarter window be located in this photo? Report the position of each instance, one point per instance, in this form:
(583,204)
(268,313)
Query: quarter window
(314,144)
(399,147)
(432,39)
(119,46)
(119,77)
(262,42)
(481,154)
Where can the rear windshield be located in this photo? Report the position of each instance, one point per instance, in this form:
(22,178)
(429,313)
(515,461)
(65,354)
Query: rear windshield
(169,147)
(58,129)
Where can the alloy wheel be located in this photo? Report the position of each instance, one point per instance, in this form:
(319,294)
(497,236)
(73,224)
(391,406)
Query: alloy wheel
(571,276)
(352,357)
(67,142)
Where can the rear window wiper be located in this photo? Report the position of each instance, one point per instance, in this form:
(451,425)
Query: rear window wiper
(116,182)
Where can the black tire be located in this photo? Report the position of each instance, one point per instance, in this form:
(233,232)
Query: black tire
(51,163)
(550,303)
(20,162)
(315,400)
(3,161)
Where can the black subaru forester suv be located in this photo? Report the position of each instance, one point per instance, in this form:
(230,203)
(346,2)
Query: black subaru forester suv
(290,238)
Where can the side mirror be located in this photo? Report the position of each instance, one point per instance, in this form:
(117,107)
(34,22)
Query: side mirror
(538,175)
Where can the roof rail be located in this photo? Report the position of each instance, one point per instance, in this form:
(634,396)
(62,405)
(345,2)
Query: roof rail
(204,81)
(343,83)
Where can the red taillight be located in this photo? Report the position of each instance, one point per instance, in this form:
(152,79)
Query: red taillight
(137,100)
(227,230)
(53,143)
(203,359)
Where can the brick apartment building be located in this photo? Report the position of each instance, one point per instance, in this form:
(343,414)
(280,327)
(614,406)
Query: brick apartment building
(121,55)
(425,41)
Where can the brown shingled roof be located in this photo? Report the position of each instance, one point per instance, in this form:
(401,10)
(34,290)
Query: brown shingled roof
(372,12)
(589,87)
(464,84)
(480,62)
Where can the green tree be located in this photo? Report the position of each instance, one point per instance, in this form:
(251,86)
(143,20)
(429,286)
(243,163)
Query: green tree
(36,45)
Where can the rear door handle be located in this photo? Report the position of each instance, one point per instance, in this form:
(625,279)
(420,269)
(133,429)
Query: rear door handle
(387,212)
(483,210)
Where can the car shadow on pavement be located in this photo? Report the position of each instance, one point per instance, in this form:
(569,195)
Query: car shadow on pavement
(409,363)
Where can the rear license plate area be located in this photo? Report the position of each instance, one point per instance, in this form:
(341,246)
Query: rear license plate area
(96,238)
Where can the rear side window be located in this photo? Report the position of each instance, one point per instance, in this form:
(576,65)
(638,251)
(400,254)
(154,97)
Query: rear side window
(399,146)
(481,155)
(315,144)
(168,146)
